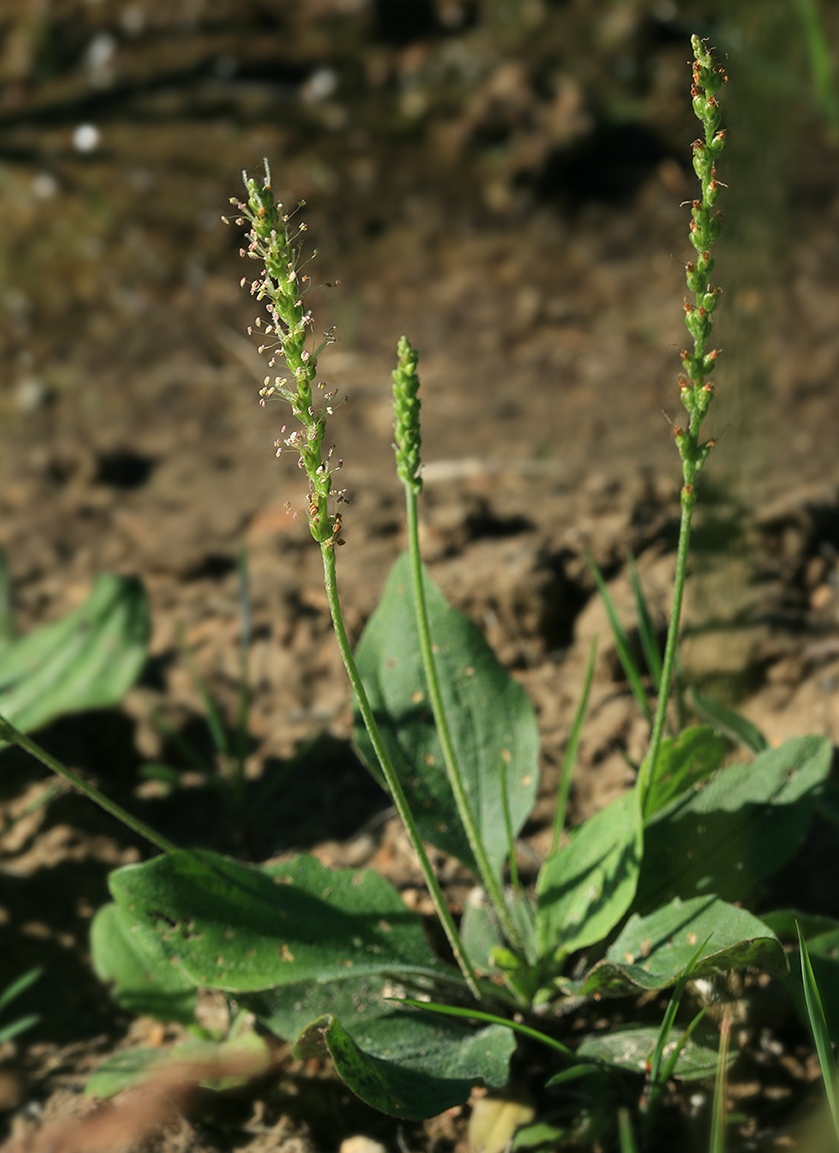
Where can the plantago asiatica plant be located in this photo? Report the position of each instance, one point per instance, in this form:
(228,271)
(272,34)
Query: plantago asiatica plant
(639,898)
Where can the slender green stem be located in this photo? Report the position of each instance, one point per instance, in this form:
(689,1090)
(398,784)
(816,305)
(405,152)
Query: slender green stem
(489,879)
(647,773)
(9,733)
(393,783)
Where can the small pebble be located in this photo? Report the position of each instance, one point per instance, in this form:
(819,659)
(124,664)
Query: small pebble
(361,1145)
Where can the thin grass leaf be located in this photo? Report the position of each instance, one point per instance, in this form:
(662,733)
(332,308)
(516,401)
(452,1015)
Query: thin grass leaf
(646,629)
(818,1025)
(630,668)
(490,1018)
(187,750)
(575,1073)
(215,721)
(7,1032)
(7,620)
(821,62)
(625,1132)
(571,747)
(718,1114)
(729,722)
(670,1066)
(245,636)
(669,1018)
(19,986)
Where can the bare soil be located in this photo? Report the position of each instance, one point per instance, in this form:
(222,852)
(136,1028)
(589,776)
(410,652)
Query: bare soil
(505,185)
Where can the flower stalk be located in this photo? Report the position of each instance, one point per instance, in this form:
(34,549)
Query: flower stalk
(272,240)
(695,387)
(408,440)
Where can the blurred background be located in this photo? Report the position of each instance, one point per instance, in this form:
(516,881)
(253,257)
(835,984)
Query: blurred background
(505,181)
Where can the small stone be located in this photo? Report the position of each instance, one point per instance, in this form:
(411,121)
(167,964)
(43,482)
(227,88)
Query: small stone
(361,1145)
(821,597)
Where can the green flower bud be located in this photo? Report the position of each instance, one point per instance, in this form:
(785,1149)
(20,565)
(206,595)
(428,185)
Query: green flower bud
(406,410)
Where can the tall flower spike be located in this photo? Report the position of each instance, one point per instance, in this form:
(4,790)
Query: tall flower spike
(697,392)
(406,409)
(271,240)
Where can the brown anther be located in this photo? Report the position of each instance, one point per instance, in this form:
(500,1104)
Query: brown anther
(678,431)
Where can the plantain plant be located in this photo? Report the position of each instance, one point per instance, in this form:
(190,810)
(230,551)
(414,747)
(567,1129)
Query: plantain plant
(643,895)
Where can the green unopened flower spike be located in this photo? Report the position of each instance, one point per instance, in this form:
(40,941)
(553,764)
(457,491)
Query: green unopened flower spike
(406,411)
(271,240)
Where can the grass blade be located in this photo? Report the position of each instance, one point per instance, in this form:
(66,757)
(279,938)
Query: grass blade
(818,1025)
(490,1018)
(627,1136)
(215,721)
(729,722)
(245,635)
(630,668)
(571,747)
(646,629)
(19,986)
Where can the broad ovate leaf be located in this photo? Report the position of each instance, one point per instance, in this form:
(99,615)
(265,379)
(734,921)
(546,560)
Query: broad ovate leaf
(239,927)
(652,952)
(403,1061)
(492,722)
(88,659)
(682,762)
(746,823)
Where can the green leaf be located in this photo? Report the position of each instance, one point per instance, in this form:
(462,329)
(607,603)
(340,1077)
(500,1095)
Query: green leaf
(142,977)
(823,953)
(683,761)
(19,986)
(87,660)
(490,716)
(818,1027)
(407,1063)
(729,722)
(247,1052)
(124,1070)
(239,928)
(7,1032)
(785,923)
(743,826)
(653,952)
(415,1072)
(631,1049)
(587,885)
